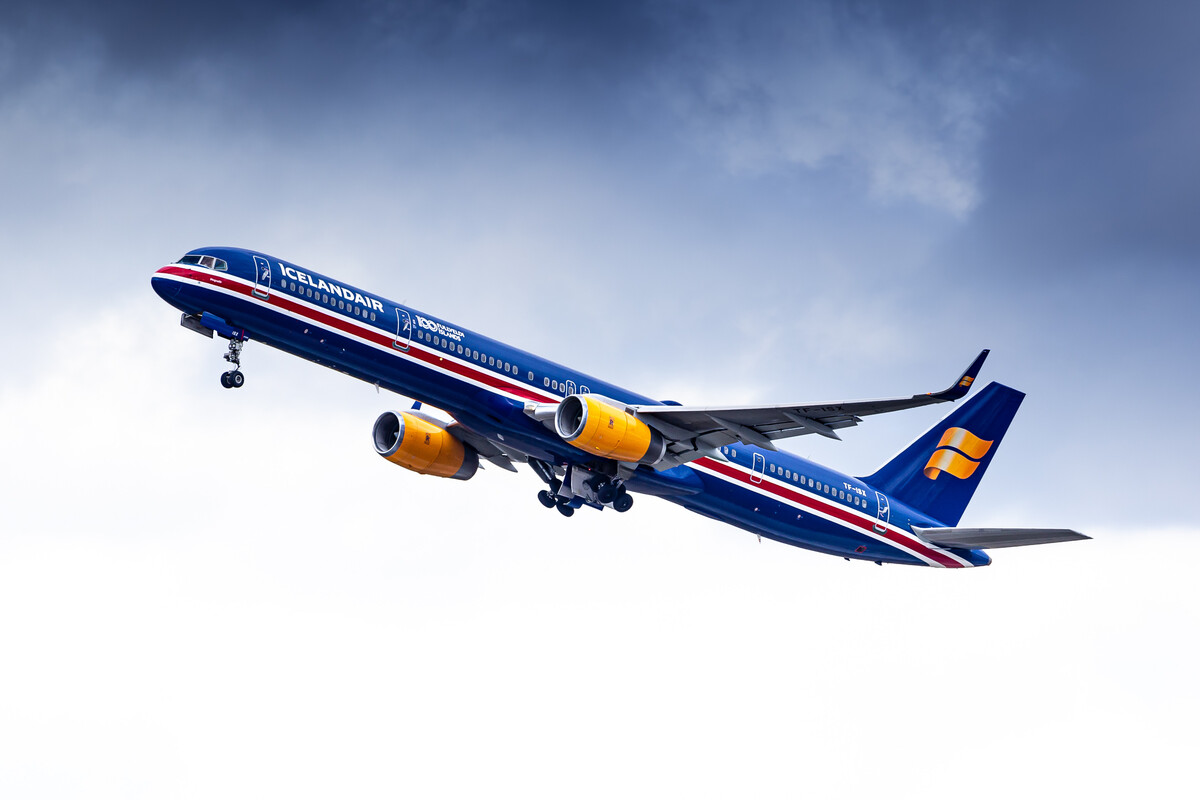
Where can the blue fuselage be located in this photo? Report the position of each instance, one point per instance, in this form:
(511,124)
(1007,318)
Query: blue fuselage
(485,385)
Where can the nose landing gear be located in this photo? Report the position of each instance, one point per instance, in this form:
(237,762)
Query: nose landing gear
(234,378)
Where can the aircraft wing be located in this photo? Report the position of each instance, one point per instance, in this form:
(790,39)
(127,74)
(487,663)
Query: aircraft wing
(692,430)
(486,448)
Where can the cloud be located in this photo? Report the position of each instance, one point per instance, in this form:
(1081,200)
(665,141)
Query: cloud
(815,87)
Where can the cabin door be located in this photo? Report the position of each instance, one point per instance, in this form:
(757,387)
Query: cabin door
(403,330)
(884,513)
(760,467)
(262,277)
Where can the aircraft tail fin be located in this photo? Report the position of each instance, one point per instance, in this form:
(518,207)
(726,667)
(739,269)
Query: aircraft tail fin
(938,473)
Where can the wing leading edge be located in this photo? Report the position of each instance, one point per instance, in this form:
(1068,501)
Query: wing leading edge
(694,430)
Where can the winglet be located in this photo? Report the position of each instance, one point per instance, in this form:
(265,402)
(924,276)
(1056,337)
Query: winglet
(959,389)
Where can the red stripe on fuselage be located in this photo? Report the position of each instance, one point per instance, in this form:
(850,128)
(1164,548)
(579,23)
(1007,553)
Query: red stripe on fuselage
(370,333)
(376,336)
(830,509)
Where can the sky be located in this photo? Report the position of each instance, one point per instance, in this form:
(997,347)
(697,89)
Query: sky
(213,593)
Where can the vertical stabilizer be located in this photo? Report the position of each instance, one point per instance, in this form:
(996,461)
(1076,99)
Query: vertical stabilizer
(937,474)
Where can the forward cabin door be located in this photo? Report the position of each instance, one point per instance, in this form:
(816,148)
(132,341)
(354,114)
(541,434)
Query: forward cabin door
(262,277)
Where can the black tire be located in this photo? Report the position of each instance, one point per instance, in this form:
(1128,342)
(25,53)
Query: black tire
(606,493)
(236,379)
(545,499)
(565,509)
(623,502)
(225,380)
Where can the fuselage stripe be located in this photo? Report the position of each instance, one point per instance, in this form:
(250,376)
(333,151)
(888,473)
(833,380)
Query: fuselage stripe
(369,333)
(842,515)
(444,363)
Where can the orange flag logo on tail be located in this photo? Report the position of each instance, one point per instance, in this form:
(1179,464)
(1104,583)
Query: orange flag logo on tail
(958,453)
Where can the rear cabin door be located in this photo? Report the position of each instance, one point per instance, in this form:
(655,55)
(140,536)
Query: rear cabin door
(403,330)
(884,513)
(262,277)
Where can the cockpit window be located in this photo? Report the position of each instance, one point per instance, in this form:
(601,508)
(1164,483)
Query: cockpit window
(208,262)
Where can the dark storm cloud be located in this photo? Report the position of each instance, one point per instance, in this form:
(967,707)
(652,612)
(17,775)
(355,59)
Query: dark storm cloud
(317,53)
(1096,166)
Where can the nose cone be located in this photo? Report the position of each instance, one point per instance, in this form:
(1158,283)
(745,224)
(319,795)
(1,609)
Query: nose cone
(163,285)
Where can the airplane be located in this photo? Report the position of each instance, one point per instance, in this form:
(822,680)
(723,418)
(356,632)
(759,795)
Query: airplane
(595,444)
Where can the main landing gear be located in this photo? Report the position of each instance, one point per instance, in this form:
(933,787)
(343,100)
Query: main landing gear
(234,378)
(580,487)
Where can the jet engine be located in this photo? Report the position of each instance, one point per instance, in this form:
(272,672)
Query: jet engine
(602,429)
(422,445)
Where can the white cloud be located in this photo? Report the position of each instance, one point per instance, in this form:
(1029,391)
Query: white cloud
(216,592)
(822,88)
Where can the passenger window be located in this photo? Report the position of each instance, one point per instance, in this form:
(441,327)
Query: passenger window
(546,382)
(554,385)
(530,374)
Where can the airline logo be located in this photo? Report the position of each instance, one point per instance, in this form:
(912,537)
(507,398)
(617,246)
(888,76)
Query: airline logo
(440,329)
(958,453)
(300,276)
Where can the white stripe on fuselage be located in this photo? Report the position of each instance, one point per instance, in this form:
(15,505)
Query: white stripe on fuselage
(868,529)
(758,488)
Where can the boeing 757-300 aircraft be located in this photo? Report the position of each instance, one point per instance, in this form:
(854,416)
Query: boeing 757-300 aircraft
(593,443)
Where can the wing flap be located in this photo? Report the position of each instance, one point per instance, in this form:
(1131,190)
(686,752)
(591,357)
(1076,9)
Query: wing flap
(988,538)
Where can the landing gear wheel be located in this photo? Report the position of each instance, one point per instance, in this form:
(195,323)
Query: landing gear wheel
(565,509)
(623,502)
(545,499)
(225,380)
(236,379)
(606,493)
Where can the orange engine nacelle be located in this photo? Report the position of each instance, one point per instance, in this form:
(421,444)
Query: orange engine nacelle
(601,429)
(420,444)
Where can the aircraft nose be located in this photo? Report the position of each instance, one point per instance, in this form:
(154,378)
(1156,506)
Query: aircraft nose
(166,288)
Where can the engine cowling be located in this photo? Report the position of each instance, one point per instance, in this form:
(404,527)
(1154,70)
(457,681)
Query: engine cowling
(422,445)
(606,430)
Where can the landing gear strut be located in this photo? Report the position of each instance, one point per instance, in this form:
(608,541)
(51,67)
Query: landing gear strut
(234,378)
(576,490)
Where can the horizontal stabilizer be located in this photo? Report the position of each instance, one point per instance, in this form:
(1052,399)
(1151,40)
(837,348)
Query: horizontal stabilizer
(986,538)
